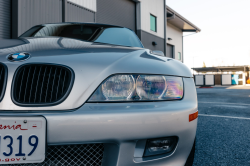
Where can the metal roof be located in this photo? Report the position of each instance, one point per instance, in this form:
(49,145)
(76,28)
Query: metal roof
(179,21)
(222,68)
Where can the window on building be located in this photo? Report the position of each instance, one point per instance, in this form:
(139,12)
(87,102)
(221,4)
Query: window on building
(153,21)
(179,56)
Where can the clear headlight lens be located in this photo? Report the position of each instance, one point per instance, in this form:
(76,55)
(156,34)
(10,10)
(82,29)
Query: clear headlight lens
(118,87)
(150,87)
(139,88)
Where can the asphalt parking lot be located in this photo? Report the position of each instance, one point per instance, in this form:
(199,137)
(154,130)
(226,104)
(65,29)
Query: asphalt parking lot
(223,134)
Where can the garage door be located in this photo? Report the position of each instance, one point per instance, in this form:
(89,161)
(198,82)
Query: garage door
(199,79)
(209,79)
(170,51)
(226,79)
(5,19)
(116,12)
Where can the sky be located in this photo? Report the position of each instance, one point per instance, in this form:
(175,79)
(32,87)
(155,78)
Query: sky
(224,39)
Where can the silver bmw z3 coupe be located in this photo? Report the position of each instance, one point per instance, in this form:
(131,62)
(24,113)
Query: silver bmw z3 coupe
(86,94)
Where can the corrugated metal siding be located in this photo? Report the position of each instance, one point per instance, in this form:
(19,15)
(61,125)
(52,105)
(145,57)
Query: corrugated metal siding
(5,19)
(148,38)
(89,4)
(116,12)
(76,13)
(34,12)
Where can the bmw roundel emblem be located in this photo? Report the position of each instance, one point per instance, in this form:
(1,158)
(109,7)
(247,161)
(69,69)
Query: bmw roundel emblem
(17,57)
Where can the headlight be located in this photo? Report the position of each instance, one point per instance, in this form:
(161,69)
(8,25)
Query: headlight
(118,87)
(150,87)
(139,88)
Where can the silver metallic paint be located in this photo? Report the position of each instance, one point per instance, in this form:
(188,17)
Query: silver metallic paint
(122,124)
(119,125)
(92,63)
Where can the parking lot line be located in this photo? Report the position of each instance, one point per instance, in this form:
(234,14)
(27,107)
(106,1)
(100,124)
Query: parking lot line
(218,116)
(231,106)
(223,103)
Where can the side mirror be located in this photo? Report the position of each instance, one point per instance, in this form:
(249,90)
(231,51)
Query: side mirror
(156,52)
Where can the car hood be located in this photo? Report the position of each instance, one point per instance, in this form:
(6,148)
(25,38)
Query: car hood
(92,63)
(50,45)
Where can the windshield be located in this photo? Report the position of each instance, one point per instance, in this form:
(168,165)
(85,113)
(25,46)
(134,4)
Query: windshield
(86,32)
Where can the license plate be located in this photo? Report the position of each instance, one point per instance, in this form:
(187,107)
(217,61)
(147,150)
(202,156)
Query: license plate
(22,140)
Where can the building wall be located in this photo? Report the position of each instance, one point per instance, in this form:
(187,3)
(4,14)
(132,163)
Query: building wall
(28,13)
(117,12)
(148,38)
(156,8)
(5,19)
(76,13)
(176,35)
(143,10)
(89,4)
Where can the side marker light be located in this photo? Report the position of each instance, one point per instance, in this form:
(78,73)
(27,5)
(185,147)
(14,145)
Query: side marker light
(193,116)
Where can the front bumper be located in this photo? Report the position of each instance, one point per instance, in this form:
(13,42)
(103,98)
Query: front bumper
(119,126)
